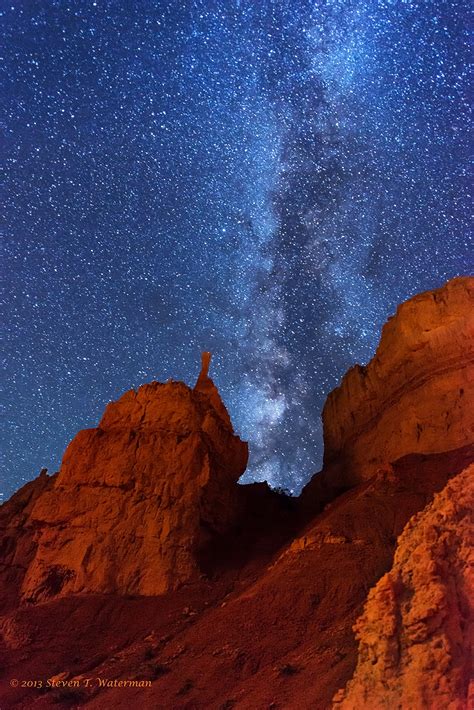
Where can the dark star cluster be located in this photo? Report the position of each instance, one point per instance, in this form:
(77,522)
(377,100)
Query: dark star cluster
(263,179)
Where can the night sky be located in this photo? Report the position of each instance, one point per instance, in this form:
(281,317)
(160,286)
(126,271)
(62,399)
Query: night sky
(266,180)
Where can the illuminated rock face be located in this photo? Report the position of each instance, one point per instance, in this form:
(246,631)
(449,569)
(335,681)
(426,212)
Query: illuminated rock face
(137,497)
(415,395)
(418,623)
(148,501)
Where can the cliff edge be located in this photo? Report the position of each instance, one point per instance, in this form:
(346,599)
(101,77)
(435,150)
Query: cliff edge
(415,395)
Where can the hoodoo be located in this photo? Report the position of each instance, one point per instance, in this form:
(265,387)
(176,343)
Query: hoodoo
(137,497)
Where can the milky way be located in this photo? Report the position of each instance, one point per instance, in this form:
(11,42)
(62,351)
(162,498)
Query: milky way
(266,180)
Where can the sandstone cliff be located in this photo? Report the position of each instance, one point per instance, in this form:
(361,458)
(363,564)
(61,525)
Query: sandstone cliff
(416,631)
(415,395)
(154,564)
(17,543)
(137,497)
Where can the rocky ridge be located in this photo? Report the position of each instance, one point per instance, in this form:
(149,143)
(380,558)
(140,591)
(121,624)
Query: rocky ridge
(415,395)
(143,558)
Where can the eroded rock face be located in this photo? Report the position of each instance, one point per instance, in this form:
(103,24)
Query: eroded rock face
(17,540)
(418,623)
(138,496)
(149,499)
(415,395)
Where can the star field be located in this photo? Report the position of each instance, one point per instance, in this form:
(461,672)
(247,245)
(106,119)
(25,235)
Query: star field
(265,180)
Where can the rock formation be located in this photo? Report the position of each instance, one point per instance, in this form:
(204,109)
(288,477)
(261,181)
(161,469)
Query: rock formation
(418,623)
(137,497)
(206,386)
(415,395)
(142,559)
(17,543)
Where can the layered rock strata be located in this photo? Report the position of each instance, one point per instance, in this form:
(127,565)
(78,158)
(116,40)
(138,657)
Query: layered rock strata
(415,395)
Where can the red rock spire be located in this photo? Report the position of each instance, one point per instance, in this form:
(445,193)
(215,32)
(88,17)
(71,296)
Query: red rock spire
(204,374)
(206,386)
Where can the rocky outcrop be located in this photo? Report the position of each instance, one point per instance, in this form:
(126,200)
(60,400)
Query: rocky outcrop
(270,629)
(265,589)
(17,540)
(418,623)
(137,498)
(415,395)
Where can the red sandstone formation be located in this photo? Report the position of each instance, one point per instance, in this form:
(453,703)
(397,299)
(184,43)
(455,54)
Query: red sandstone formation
(418,624)
(142,558)
(17,544)
(136,498)
(273,628)
(207,387)
(415,395)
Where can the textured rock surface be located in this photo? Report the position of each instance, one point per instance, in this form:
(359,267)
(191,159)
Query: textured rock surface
(17,538)
(415,395)
(273,629)
(418,623)
(273,585)
(137,497)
